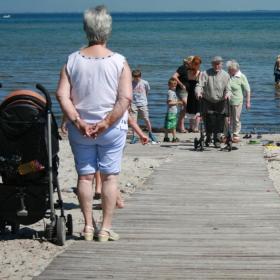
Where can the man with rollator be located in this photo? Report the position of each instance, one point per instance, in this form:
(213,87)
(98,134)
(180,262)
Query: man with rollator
(213,90)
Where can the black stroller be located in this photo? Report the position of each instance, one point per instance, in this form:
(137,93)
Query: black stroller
(29,143)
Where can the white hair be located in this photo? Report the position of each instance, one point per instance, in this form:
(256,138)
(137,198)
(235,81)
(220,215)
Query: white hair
(233,64)
(97,24)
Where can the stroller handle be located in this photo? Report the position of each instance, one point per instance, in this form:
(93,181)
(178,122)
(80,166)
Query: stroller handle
(47,95)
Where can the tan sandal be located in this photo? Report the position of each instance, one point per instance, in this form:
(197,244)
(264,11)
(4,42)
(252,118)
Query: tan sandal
(107,235)
(88,236)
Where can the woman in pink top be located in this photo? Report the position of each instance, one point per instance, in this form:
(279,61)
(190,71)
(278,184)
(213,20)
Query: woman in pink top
(94,92)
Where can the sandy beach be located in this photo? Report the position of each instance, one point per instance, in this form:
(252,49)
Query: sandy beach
(27,254)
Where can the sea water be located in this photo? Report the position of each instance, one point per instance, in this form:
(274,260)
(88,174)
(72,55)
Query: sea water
(34,47)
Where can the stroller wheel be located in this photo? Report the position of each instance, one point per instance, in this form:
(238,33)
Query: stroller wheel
(69,224)
(14,228)
(60,231)
(195,143)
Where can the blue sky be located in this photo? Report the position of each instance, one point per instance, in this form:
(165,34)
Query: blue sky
(138,5)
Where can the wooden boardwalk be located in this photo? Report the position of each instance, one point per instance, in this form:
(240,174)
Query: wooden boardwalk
(205,215)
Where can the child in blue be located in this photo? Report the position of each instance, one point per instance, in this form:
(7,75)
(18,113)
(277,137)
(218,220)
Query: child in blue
(172,110)
(139,103)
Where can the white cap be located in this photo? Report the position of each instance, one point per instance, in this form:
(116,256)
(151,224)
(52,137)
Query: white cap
(217,59)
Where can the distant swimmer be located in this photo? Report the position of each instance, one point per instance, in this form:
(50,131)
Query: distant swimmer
(277,76)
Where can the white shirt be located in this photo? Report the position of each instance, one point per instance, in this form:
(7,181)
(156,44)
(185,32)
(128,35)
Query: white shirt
(94,85)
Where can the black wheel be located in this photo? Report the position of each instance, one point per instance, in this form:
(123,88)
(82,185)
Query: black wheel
(60,231)
(14,228)
(69,224)
(195,143)
(229,146)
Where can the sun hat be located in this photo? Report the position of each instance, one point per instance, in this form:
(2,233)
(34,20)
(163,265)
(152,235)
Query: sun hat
(217,59)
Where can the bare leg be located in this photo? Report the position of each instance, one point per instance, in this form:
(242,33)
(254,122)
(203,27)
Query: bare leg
(181,121)
(182,114)
(148,125)
(174,133)
(197,122)
(120,202)
(109,198)
(98,183)
(192,126)
(194,123)
(85,194)
(98,190)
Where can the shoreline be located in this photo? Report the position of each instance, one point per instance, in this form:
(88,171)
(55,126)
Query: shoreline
(25,255)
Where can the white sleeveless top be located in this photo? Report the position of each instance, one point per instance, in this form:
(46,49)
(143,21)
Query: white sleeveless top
(94,85)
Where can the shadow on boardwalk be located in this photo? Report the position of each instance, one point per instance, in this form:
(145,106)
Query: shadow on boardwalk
(211,215)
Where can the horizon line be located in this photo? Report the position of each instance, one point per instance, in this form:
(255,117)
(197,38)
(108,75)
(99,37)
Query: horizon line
(150,12)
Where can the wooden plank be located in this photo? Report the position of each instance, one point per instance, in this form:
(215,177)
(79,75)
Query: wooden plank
(211,215)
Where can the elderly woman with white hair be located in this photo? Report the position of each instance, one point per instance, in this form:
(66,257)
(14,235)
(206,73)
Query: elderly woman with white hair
(94,92)
(239,88)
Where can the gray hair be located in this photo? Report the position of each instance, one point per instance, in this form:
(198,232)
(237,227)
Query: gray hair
(97,24)
(233,64)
